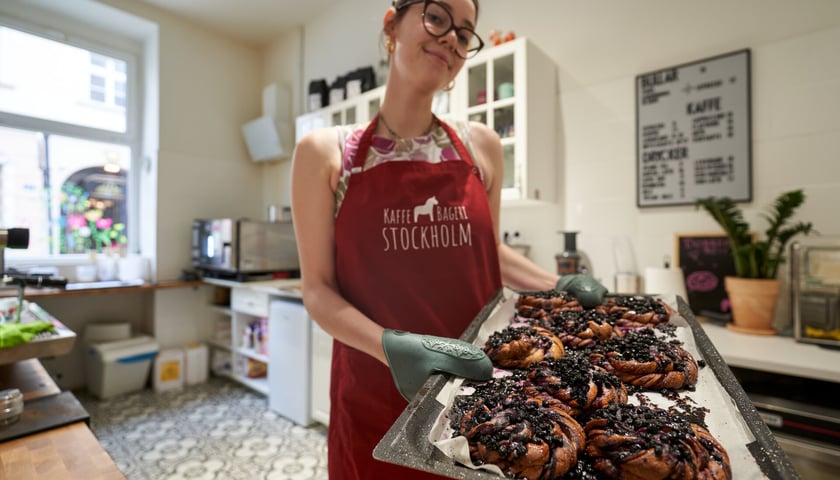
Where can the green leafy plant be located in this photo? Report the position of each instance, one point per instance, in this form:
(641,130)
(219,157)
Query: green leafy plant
(758,258)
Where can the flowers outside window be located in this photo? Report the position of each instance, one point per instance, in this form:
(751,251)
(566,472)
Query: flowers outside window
(88,223)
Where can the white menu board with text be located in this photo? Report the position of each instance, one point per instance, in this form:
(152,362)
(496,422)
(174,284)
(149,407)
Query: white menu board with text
(693,132)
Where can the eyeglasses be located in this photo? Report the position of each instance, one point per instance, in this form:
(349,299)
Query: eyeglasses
(438,21)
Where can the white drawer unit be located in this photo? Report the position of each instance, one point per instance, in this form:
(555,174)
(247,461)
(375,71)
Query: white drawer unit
(250,301)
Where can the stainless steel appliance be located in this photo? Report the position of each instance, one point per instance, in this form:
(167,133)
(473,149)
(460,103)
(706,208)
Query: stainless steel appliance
(239,248)
(815,282)
(802,413)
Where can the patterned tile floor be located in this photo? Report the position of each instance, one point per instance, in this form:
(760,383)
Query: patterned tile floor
(218,430)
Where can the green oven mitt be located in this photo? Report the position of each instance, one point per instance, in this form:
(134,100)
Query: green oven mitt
(413,357)
(589,292)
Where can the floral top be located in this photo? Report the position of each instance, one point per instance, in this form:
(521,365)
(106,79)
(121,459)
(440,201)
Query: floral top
(433,147)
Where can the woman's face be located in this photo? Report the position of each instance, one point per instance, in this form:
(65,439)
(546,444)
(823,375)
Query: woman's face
(418,54)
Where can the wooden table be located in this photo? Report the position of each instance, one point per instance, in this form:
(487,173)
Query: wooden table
(35,293)
(68,452)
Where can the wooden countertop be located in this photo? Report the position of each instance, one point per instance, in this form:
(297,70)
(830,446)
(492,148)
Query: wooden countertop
(31,292)
(69,452)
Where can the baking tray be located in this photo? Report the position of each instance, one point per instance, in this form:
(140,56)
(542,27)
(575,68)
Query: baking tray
(47,344)
(406,442)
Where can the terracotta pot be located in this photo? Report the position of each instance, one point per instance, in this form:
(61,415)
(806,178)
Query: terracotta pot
(753,303)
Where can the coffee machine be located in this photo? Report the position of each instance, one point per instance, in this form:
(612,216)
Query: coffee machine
(11,238)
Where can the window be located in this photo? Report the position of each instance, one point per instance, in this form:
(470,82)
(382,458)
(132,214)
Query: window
(66,144)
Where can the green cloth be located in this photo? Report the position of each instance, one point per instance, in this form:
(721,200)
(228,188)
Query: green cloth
(14,334)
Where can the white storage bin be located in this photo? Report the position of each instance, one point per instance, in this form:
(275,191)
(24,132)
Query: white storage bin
(107,331)
(122,366)
(196,364)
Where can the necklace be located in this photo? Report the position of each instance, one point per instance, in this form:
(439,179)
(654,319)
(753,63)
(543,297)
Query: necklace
(400,138)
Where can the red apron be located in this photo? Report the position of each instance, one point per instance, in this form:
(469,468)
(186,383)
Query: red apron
(415,251)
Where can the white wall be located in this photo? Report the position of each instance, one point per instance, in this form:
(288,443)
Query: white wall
(282,62)
(205,88)
(599,48)
(209,85)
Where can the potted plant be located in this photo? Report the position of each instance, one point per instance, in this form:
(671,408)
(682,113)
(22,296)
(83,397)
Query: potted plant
(754,289)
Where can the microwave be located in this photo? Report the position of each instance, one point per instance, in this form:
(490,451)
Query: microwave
(238,248)
(815,282)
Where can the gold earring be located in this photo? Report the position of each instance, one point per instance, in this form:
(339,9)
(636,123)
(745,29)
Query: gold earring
(389,45)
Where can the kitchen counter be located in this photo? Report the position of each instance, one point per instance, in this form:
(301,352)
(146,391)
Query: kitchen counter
(283,287)
(775,354)
(67,452)
(96,288)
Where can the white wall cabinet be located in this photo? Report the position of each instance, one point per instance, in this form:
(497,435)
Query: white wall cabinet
(512,88)
(359,109)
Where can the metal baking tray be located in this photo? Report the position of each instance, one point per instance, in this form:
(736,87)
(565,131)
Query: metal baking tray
(47,344)
(406,442)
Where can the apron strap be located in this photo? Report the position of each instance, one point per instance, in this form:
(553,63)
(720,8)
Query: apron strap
(457,143)
(364,144)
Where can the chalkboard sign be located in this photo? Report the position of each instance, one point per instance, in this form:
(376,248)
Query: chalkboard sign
(705,260)
(693,132)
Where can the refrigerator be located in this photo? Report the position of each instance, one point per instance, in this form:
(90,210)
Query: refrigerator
(290,353)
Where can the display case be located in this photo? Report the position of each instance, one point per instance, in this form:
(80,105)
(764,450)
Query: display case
(512,88)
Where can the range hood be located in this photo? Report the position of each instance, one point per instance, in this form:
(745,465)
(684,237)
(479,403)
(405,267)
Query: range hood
(269,137)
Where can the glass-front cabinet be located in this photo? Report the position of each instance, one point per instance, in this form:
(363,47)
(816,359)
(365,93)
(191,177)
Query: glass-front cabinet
(512,88)
(359,109)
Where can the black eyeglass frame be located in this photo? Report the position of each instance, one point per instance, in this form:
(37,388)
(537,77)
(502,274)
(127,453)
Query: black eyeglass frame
(471,52)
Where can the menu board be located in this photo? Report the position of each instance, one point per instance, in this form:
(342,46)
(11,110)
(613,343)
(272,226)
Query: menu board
(706,260)
(693,132)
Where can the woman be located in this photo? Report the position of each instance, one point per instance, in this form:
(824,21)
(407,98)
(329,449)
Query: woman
(397,224)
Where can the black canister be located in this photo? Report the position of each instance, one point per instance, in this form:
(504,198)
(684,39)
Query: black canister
(569,260)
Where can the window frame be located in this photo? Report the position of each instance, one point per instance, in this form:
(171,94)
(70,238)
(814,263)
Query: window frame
(112,45)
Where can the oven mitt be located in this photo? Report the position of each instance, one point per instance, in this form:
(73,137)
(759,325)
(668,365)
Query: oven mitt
(589,292)
(413,357)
